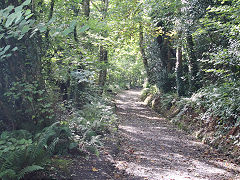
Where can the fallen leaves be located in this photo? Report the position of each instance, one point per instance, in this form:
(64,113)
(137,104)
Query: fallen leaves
(94,169)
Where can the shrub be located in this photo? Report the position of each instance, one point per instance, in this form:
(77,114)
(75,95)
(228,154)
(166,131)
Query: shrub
(21,153)
(89,124)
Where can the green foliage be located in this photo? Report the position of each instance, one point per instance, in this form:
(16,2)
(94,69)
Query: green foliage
(10,18)
(21,154)
(225,62)
(161,60)
(37,99)
(15,23)
(149,90)
(59,163)
(89,124)
(220,101)
(13,141)
(128,73)
(50,68)
(56,138)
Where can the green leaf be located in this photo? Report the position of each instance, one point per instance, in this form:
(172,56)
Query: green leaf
(73,23)
(51,21)
(19,16)
(22,141)
(21,36)
(9,173)
(8,55)
(13,140)
(27,2)
(3,147)
(7,48)
(30,99)
(11,148)
(28,16)
(67,31)
(4,135)
(22,23)
(28,11)
(55,34)
(14,49)
(7,10)
(6,149)
(10,20)
(25,29)
(42,27)
(2,142)
(84,28)
(33,33)
(18,8)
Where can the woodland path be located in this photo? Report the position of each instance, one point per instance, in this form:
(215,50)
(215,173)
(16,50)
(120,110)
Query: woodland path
(154,149)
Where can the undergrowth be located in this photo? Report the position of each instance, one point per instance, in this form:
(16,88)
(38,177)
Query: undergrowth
(22,152)
(215,108)
(90,124)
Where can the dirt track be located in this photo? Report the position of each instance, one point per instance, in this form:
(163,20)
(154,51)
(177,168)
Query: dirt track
(154,149)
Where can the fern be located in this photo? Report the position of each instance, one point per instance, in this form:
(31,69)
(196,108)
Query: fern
(28,156)
(18,163)
(7,174)
(51,147)
(29,169)
(51,136)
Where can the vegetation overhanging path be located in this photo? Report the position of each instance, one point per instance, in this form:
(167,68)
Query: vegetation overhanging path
(153,148)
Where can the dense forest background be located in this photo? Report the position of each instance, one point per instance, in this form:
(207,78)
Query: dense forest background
(60,62)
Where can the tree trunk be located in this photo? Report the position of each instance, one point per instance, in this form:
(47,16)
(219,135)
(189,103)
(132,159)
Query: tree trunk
(49,18)
(86,8)
(79,87)
(193,65)
(103,53)
(103,58)
(179,73)
(142,50)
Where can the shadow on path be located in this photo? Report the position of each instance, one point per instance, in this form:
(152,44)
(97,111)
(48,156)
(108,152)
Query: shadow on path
(153,148)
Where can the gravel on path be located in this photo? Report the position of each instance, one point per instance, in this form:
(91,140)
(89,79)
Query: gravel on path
(154,149)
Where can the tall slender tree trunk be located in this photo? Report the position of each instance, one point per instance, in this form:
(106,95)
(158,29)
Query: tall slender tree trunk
(103,53)
(164,82)
(50,17)
(79,87)
(193,65)
(86,8)
(179,73)
(103,58)
(86,13)
(142,50)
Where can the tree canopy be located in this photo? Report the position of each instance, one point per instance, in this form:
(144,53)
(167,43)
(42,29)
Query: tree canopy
(60,59)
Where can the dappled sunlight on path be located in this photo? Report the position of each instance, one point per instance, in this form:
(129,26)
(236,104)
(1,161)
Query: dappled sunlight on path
(152,148)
